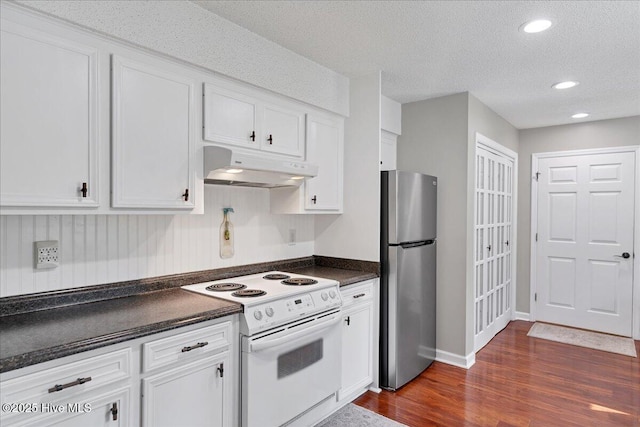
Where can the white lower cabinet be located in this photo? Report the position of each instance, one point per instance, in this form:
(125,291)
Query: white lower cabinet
(183,377)
(357,339)
(186,385)
(94,411)
(69,393)
(190,395)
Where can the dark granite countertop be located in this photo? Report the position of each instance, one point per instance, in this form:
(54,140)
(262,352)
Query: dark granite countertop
(41,327)
(345,277)
(36,337)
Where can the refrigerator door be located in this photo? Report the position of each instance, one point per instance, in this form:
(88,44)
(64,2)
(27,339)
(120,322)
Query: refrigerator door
(411,212)
(409,313)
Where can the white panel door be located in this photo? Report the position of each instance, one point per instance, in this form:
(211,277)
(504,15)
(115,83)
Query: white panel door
(48,116)
(585,226)
(493,231)
(152,137)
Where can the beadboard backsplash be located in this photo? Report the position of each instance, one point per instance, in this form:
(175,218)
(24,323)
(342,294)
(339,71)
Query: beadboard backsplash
(98,249)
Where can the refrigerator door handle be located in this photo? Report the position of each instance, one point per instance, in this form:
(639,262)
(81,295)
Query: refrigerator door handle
(409,245)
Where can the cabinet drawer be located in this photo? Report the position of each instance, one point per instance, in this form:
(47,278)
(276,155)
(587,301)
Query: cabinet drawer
(185,346)
(71,380)
(356,293)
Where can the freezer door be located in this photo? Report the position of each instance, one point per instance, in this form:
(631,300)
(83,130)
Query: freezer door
(412,203)
(410,305)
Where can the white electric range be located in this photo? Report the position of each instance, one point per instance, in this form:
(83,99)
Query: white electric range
(291,342)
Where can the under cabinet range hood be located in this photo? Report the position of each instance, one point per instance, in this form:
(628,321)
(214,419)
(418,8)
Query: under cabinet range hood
(224,166)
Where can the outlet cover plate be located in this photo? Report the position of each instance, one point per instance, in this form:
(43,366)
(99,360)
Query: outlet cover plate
(46,255)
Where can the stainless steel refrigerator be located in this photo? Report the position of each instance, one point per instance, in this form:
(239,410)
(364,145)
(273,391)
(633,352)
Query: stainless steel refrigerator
(408,279)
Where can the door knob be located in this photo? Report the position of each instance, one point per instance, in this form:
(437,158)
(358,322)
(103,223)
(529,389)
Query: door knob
(624,255)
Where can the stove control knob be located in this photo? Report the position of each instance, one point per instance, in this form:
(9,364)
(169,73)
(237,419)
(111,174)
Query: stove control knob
(257,314)
(269,311)
(324,296)
(332,294)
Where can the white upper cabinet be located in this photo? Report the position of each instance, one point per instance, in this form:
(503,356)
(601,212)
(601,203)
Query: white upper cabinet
(234,117)
(323,193)
(283,131)
(153,136)
(229,117)
(388,150)
(49,108)
(326,149)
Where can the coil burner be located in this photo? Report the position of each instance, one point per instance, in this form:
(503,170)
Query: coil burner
(248,293)
(276,276)
(299,281)
(225,287)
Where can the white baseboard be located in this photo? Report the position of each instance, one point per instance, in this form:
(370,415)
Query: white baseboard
(455,359)
(521,315)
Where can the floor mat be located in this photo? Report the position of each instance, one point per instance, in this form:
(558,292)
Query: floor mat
(355,416)
(595,340)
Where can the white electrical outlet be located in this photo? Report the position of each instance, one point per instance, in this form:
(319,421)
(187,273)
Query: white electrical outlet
(47,254)
(292,236)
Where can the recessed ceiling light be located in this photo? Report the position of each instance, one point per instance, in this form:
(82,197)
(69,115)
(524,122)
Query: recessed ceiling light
(536,26)
(580,115)
(565,85)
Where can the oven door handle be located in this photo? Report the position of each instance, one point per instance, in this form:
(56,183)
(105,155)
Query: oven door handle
(266,343)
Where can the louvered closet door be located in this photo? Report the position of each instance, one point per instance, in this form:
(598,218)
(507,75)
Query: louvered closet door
(493,229)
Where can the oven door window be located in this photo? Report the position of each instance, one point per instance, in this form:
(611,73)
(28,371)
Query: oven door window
(296,360)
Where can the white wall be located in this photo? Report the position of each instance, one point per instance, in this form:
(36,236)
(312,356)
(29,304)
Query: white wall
(97,249)
(356,233)
(186,31)
(597,134)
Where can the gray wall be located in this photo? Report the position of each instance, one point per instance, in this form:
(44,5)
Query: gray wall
(599,134)
(438,138)
(434,142)
(487,122)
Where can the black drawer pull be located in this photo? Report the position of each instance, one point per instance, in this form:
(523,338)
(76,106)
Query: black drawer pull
(359,295)
(193,347)
(59,387)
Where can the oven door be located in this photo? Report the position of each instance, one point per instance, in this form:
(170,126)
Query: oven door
(287,370)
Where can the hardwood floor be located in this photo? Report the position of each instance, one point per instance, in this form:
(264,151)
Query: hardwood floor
(520,381)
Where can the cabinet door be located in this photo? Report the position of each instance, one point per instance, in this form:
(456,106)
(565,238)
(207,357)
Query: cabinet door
(152,137)
(191,395)
(388,144)
(282,131)
(229,117)
(111,409)
(325,148)
(357,347)
(48,137)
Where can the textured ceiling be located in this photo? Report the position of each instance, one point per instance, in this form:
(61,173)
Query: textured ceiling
(433,48)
